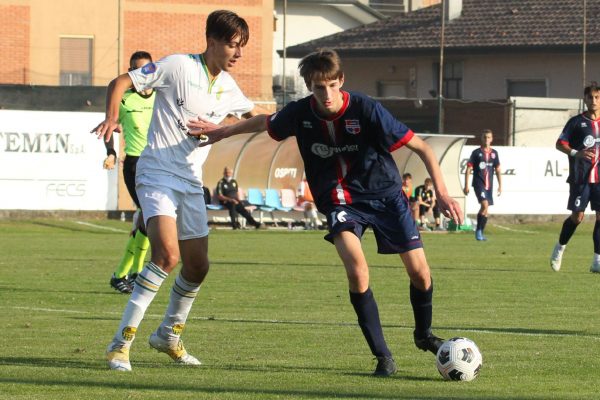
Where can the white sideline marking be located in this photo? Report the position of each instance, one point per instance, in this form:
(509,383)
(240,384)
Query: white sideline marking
(274,321)
(506,228)
(106,228)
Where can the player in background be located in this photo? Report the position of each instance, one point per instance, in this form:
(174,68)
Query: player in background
(483,162)
(135,113)
(580,140)
(169,177)
(407,188)
(345,140)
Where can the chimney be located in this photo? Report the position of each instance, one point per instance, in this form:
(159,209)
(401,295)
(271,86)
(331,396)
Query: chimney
(453,9)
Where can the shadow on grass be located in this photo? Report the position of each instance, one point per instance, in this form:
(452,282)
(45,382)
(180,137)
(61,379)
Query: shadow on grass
(201,387)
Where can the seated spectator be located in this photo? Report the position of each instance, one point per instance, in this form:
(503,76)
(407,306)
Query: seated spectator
(306,201)
(426,201)
(227,193)
(407,188)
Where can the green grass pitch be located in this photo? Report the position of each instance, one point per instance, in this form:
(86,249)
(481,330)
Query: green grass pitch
(273,319)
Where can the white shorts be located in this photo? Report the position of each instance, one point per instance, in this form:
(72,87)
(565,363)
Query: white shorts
(175,198)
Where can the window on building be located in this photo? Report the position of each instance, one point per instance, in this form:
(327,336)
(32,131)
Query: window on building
(453,78)
(391,89)
(76,61)
(527,87)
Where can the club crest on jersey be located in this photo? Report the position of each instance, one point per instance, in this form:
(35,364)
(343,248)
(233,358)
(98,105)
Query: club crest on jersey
(149,68)
(352,126)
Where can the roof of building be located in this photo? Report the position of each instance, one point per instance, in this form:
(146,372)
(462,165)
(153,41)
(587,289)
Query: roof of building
(501,25)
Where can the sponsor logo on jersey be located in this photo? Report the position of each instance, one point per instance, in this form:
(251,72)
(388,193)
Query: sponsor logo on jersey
(589,141)
(482,165)
(307,124)
(325,151)
(352,126)
(149,68)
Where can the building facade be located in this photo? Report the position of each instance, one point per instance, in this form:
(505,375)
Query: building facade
(81,43)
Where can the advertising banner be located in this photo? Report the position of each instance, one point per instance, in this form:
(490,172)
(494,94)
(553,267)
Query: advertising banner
(51,161)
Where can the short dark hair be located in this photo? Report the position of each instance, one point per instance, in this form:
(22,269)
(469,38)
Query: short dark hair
(138,55)
(225,25)
(592,87)
(407,175)
(323,64)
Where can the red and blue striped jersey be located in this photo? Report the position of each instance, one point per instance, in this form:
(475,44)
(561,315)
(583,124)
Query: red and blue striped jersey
(581,133)
(484,163)
(347,157)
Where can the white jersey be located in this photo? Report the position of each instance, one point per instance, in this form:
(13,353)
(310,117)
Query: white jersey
(183,92)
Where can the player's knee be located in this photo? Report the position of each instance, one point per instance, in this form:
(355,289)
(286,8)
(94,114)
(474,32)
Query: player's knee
(578,218)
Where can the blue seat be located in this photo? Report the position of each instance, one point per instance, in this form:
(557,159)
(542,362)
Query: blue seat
(273,200)
(255,198)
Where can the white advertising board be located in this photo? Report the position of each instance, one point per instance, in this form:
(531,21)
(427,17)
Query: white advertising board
(533,181)
(51,161)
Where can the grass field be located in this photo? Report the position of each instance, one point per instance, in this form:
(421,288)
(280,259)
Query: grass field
(273,320)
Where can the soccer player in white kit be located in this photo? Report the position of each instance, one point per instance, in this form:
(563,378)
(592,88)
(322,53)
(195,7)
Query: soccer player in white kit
(169,176)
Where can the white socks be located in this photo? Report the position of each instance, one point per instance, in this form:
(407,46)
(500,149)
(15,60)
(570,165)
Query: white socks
(146,285)
(183,295)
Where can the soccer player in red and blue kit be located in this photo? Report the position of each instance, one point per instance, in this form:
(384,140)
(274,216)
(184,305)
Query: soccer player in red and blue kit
(580,140)
(345,140)
(483,162)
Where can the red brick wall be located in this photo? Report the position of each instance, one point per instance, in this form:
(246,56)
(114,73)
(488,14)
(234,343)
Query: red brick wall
(237,3)
(162,34)
(14,46)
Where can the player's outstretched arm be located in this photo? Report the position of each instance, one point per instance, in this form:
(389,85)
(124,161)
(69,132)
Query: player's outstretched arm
(114,94)
(447,205)
(216,133)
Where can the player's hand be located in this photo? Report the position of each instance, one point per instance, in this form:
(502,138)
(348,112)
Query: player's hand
(450,208)
(206,131)
(109,162)
(587,154)
(499,190)
(106,128)
(466,190)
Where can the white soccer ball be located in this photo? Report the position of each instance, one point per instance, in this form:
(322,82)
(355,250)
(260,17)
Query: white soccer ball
(459,359)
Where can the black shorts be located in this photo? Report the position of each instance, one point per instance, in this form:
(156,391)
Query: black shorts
(129,165)
(423,210)
(390,218)
(482,194)
(582,194)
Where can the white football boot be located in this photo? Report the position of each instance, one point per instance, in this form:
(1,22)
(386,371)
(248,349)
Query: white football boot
(117,355)
(556,258)
(595,267)
(175,350)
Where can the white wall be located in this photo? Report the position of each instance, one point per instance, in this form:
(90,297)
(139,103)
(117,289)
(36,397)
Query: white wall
(533,181)
(51,161)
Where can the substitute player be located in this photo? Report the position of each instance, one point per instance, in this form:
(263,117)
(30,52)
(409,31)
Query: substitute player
(169,177)
(135,113)
(483,162)
(580,140)
(345,140)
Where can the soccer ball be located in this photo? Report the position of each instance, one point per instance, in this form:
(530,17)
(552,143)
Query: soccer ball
(459,359)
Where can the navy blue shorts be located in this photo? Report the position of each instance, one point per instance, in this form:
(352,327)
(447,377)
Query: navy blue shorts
(581,194)
(390,218)
(482,194)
